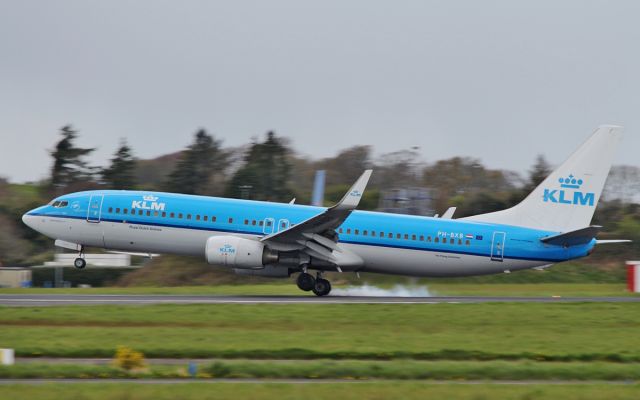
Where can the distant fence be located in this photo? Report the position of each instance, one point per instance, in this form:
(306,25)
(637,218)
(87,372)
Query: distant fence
(102,269)
(96,260)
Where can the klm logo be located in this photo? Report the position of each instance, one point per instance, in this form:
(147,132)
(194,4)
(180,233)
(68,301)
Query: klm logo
(355,193)
(148,202)
(573,196)
(227,249)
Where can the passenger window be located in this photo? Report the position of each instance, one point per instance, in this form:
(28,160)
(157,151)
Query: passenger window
(381,234)
(118,210)
(213,219)
(246,222)
(198,217)
(451,241)
(269,223)
(205,217)
(437,240)
(406,236)
(421,238)
(260,223)
(467,242)
(180,215)
(429,239)
(148,213)
(459,241)
(231,220)
(164,214)
(125,210)
(155,213)
(283,225)
(357,231)
(390,235)
(172,215)
(188,216)
(348,230)
(140,212)
(253,222)
(110,209)
(340,230)
(373,233)
(413,237)
(364,233)
(398,236)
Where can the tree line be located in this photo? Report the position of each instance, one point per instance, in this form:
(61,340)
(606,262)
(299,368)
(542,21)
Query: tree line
(269,169)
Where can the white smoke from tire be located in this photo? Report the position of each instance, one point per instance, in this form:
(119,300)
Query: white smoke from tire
(374,291)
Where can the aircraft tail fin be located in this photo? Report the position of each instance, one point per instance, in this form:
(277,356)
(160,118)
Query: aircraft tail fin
(566,200)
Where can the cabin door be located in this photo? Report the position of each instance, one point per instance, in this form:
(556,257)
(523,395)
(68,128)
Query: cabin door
(267,227)
(95,208)
(497,246)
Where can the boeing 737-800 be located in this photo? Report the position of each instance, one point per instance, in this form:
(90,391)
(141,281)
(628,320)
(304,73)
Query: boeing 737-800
(551,225)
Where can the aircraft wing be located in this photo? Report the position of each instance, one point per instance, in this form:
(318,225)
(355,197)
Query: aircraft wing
(316,236)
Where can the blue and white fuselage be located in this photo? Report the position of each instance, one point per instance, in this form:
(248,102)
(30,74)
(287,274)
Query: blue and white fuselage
(551,225)
(387,243)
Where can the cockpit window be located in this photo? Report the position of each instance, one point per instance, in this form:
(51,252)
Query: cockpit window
(59,204)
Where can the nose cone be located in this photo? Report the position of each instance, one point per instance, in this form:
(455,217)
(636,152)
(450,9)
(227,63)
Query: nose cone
(29,219)
(26,219)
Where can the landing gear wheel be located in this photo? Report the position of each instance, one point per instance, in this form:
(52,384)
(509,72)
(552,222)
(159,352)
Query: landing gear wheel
(306,281)
(79,263)
(322,287)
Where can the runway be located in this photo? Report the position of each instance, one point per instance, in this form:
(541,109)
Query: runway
(93,299)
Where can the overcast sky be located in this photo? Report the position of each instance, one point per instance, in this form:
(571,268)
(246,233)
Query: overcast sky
(498,80)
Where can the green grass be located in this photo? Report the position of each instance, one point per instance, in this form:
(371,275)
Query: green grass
(287,288)
(349,369)
(330,391)
(507,331)
(532,289)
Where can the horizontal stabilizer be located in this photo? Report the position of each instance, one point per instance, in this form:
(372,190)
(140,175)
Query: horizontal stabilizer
(573,238)
(612,241)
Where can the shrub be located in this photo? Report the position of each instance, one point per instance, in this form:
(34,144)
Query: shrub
(129,359)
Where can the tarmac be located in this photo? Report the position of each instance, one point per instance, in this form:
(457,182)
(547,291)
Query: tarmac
(119,299)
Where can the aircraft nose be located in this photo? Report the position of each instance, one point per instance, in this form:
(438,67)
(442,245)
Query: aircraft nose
(28,219)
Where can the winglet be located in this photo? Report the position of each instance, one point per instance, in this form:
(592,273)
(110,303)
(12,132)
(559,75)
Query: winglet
(352,198)
(449,213)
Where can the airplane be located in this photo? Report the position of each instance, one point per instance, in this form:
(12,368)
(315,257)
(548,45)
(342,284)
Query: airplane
(551,225)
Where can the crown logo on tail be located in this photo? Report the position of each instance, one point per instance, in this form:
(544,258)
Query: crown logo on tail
(570,182)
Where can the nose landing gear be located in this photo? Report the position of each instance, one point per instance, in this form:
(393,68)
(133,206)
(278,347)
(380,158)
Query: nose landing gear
(80,262)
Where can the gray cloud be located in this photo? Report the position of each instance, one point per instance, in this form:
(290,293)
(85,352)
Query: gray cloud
(498,80)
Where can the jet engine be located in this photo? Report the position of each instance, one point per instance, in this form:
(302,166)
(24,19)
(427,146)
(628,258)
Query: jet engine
(237,252)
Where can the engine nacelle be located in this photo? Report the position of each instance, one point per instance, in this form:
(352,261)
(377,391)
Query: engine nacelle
(269,271)
(236,252)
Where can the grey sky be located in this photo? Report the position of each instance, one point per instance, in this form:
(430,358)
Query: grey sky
(497,80)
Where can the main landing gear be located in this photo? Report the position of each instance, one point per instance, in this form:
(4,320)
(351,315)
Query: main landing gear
(80,262)
(319,285)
